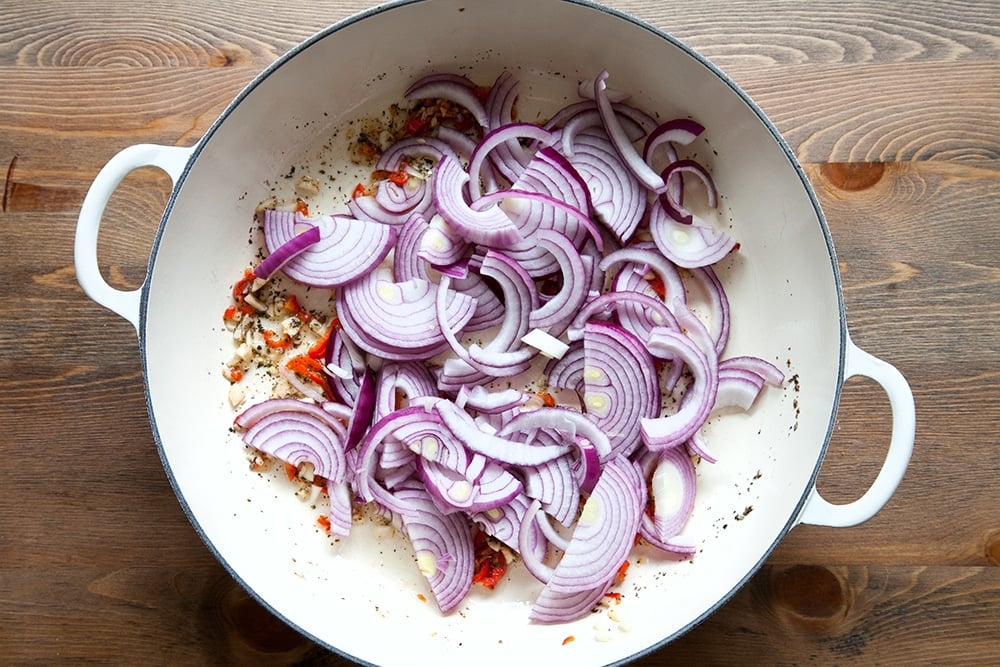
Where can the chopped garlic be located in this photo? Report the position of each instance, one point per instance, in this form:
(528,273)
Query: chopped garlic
(255,302)
(307,187)
(235,395)
(291,326)
(243,352)
(602,632)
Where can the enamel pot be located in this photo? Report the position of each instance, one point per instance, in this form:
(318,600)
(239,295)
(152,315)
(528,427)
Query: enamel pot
(362,597)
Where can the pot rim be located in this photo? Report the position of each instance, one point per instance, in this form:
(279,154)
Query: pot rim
(336,27)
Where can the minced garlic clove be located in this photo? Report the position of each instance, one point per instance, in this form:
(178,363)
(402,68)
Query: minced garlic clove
(236,395)
(306,187)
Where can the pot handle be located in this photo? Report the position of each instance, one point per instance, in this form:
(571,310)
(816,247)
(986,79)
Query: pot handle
(820,512)
(171,159)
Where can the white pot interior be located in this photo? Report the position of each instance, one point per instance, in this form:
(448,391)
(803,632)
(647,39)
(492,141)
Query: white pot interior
(361,595)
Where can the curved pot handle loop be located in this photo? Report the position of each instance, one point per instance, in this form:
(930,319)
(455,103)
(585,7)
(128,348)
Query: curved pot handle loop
(170,159)
(819,511)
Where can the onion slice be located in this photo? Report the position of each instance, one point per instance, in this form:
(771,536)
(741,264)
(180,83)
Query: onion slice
(689,245)
(451,88)
(662,432)
(601,541)
(298,437)
(621,385)
(324,264)
(399,320)
(442,546)
(286,252)
(629,155)
(488,226)
(673,206)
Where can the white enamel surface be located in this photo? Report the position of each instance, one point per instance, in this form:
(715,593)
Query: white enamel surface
(361,596)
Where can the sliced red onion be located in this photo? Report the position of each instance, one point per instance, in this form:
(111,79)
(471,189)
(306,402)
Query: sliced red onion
(298,437)
(501,136)
(345,366)
(366,207)
(502,355)
(662,432)
(591,118)
(673,488)
(690,245)
(489,308)
(619,198)
(405,262)
(587,466)
(341,507)
(459,269)
(621,385)
(673,483)
(364,410)
(575,214)
(772,374)
(737,388)
(496,447)
(381,437)
(697,446)
(675,131)
(629,155)
(601,542)
(509,157)
(638,260)
(440,245)
(647,256)
(396,462)
(566,113)
(486,225)
(550,174)
(286,252)
(585,89)
(480,399)
(399,320)
(414,196)
(556,314)
(555,486)
(493,487)
(254,413)
(672,205)
(406,380)
(718,304)
(453,90)
(325,263)
(567,372)
(528,537)
(636,122)
(569,423)
(503,523)
(555,538)
(442,545)
(408,148)
(437,465)
(647,314)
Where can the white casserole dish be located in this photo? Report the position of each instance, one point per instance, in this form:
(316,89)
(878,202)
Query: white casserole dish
(360,597)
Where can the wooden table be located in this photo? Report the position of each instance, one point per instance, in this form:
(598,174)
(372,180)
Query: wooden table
(893,108)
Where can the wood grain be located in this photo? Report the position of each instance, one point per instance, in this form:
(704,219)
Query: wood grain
(893,107)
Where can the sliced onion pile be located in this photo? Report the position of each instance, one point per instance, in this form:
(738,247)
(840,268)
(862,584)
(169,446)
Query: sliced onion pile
(561,254)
